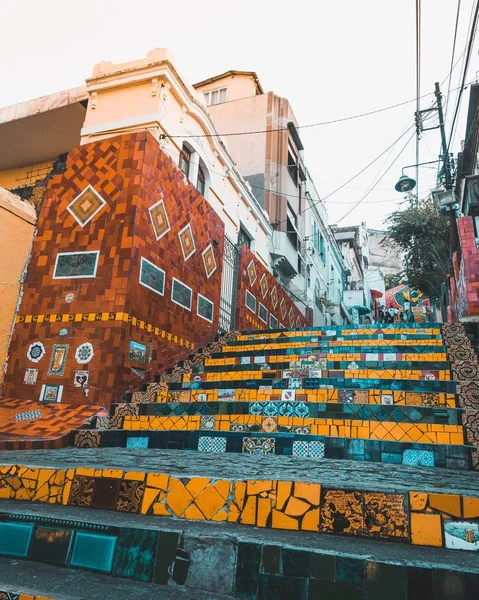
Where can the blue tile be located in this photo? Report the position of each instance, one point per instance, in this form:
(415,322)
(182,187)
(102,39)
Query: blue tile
(137,442)
(93,551)
(15,538)
(390,458)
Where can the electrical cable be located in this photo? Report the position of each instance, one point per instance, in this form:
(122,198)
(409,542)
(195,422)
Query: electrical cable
(418,82)
(452,55)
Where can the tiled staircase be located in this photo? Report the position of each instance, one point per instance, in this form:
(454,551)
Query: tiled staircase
(264,416)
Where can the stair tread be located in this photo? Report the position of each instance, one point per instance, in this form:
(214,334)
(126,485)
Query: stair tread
(330,473)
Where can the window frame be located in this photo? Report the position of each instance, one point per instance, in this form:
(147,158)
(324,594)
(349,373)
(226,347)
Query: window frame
(185,155)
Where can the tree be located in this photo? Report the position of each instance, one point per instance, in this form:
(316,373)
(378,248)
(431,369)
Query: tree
(393,279)
(423,234)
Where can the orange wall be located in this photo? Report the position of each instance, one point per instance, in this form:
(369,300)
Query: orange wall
(17,224)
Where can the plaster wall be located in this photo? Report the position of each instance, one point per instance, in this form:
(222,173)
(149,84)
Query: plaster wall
(17,225)
(238,86)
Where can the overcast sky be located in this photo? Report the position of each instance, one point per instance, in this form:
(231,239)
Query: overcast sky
(330,59)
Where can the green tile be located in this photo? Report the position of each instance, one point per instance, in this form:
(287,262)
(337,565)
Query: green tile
(135,554)
(271,559)
(94,552)
(385,581)
(15,538)
(165,555)
(323,567)
(51,545)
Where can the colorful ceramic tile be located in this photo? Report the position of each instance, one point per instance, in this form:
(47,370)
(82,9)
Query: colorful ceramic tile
(288,395)
(36,351)
(308,449)
(152,277)
(208,422)
(130,496)
(346,396)
(250,302)
(51,545)
(137,352)
(209,260)
(86,205)
(342,512)
(258,445)
(269,425)
(251,269)
(137,442)
(245,360)
(75,265)
(51,393)
(259,360)
(387,399)
(282,308)
(274,297)
(15,539)
(385,516)
(58,360)
(295,383)
(262,313)
(415,458)
(181,294)
(187,242)
(291,317)
(461,535)
(28,415)
(159,219)
(273,321)
(80,379)
(263,284)
(93,551)
(30,377)
(205,308)
(211,444)
(226,395)
(84,353)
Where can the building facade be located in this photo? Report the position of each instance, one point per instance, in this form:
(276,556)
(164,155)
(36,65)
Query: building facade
(270,156)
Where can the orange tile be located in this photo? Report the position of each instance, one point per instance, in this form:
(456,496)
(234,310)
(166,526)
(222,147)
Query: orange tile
(446,503)
(470,507)
(426,529)
(417,500)
(282,521)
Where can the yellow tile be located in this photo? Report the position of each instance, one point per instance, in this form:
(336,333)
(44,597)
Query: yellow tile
(426,529)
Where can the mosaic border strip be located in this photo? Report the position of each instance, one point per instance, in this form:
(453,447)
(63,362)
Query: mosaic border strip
(104,316)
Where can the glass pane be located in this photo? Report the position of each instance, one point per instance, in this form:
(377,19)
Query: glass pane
(214,97)
(223,95)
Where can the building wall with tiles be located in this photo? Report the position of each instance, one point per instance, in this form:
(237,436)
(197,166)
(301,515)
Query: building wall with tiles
(108,311)
(466,289)
(256,280)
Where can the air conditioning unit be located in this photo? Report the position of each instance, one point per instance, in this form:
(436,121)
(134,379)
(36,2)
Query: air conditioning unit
(444,198)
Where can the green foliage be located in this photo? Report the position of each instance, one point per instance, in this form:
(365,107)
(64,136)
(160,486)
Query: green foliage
(393,279)
(423,235)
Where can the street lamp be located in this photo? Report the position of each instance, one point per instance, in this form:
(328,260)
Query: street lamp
(405,183)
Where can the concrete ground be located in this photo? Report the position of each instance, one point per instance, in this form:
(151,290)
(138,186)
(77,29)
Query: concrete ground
(330,473)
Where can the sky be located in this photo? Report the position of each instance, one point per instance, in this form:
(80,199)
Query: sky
(330,59)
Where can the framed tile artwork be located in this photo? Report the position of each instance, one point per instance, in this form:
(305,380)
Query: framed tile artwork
(30,376)
(181,294)
(263,283)
(84,353)
(274,297)
(159,219)
(282,308)
(152,277)
(291,317)
(273,322)
(205,308)
(137,352)
(187,242)
(250,302)
(298,322)
(36,351)
(80,379)
(251,272)
(73,265)
(86,205)
(58,360)
(51,393)
(209,261)
(262,312)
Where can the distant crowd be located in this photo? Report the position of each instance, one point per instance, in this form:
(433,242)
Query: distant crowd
(393,315)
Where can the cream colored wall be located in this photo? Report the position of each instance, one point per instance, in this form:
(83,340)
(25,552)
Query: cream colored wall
(17,225)
(20,176)
(239,86)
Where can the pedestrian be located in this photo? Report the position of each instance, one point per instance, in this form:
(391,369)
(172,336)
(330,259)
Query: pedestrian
(429,317)
(389,317)
(367,320)
(401,317)
(380,319)
(410,317)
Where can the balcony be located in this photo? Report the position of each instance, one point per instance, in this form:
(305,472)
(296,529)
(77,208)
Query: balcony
(284,252)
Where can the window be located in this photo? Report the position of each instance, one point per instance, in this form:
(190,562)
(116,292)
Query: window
(215,96)
(293,164)
(72,265)
(243,238)
(291,230)
(201,186)
(250,302)
(316,235)
(185,160)
(205,308)
(181,294)
(152,277)
(322,248)
(263,312)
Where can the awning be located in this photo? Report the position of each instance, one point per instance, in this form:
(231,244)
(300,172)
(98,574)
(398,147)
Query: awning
(376,294)
(362,310)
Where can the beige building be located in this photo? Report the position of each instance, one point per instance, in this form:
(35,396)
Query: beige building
(270,155)
(17,225)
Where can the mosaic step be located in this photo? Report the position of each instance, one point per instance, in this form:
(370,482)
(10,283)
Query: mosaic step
(168,558)
(13,593)
(413,506)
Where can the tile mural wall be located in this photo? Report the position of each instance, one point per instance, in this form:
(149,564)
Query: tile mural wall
(418,518)
(86,325)
(272,307)
(464,287)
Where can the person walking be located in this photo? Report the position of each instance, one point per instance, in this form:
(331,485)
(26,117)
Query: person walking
(410,316)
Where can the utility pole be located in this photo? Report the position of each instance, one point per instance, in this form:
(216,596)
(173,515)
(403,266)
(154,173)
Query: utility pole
(445,153)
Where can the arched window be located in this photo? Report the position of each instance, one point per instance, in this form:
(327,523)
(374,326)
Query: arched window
(201,181)
(185,160)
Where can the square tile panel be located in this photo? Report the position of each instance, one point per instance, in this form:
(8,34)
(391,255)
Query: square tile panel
(86,205)
(288,395)
(93,551)
(187,242)
(258,445)
(387,399)
(137,442)
(461,535)
(209,261)
(308,449)
(251,272)
(51,545)
(263,285)
(211,444)
(159,219)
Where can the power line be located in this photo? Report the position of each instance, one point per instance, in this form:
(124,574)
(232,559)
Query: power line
(418,82)
(236,133)
(453,52)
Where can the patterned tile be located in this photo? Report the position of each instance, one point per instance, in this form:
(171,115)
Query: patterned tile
(28,415)
(211,444)
(137,442)
(308,449)
(258,445)
(207,422)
